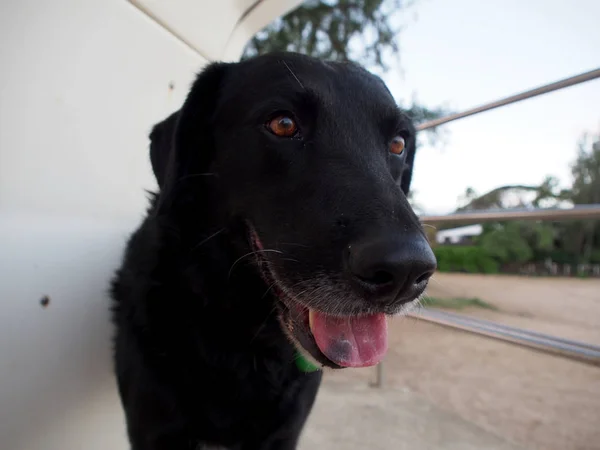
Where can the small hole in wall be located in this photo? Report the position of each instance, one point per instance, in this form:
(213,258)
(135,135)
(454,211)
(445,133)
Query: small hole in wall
(45,301)
(171,86)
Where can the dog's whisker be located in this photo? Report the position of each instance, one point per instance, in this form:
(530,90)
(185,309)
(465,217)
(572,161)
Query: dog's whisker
(434,280)
(290,259)
(204,241)
(271,286)
(250,254)
(293,74)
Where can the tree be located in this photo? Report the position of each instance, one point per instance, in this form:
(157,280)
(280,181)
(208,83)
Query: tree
(582,238)
(517,241)
(549,194)
(505,243)
(503,197)
(467,198)
(340,30)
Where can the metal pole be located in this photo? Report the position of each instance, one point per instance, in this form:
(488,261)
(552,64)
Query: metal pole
(587,76)
(577,212)
(378,376)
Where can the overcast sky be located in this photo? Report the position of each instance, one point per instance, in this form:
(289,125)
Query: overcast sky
(463,53)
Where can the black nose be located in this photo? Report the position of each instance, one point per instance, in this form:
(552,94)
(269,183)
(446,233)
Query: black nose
(391,269)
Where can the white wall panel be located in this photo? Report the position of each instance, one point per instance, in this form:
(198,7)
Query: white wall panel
(81,83)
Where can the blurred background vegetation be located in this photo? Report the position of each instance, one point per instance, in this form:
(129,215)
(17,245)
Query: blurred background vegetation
(509,245)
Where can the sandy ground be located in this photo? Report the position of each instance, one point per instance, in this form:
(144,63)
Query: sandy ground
(529,398)
(563,307)
(352,416)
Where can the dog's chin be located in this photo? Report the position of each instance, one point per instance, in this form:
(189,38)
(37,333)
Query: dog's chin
(361,336)
(294,316)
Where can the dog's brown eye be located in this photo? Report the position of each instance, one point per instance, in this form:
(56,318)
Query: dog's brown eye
(283,126)
(397,145)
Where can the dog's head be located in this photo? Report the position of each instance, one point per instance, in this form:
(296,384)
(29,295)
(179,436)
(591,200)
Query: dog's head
(316,159)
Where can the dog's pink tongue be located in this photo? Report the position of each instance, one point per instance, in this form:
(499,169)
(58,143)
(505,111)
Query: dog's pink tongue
(350,341)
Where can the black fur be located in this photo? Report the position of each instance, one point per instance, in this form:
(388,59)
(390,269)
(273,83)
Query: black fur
(201,351)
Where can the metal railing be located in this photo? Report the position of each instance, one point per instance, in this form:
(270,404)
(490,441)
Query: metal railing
(577,212)
(571,81)
(567,348)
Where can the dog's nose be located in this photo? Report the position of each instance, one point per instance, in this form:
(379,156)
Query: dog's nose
(389,270)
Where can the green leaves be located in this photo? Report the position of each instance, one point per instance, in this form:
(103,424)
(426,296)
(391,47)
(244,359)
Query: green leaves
(469,259)
(517,241)
(342,30)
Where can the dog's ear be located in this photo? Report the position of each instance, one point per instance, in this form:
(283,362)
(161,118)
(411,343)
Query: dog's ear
(408,164)
(161,144)
(192,147)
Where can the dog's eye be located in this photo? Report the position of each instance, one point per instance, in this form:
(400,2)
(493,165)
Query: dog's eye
(397,145)
(283,126)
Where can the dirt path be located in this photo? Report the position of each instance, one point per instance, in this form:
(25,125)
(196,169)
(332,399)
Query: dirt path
(351,416)
(534,399)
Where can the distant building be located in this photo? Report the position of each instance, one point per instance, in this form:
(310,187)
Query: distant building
(460,235)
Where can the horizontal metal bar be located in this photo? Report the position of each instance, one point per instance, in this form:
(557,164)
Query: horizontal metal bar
(575,213)
(579,351)
(587,76)
(520,331)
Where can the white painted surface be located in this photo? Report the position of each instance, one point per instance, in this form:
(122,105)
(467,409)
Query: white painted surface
(260,16)
(56,386)
(207,25)
(81,84)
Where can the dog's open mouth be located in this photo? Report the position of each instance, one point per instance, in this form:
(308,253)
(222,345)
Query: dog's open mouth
(333,341)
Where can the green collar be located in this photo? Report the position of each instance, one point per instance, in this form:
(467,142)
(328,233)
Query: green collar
(303,364)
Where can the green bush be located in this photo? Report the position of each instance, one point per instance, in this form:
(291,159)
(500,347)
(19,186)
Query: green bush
(470,259)
(595,257)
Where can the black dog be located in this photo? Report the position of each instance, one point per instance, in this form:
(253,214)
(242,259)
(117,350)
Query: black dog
(281,231)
